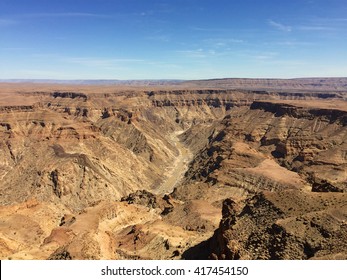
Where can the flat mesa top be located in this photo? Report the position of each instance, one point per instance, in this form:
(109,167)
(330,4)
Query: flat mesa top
(329,104)
(28,93)
(19,94)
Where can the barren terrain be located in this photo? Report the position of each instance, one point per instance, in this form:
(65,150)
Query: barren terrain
(215,169)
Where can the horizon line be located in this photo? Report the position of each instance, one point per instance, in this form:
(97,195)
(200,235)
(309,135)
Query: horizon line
(14,80)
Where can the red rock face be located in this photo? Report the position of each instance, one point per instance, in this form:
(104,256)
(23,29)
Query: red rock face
(102,172)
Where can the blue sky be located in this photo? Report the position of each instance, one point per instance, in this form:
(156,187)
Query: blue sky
(177,39)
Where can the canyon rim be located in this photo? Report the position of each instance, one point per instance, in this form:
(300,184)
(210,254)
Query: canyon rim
(205,169)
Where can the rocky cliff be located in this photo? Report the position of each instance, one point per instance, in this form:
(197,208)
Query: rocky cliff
(129,173)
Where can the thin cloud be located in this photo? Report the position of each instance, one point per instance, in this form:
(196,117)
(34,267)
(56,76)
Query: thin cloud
(43,74)
(324,24)
(16,19)
(203,53)
(221,46)
(326,20)
(69,14)
(223,41)
(162,64)
(258,56)
(7,22)
(293,43)
(89,61)
(316,28)
(198,53)
(263,57)
(204,29)
(159,38)
(100,62)
(287,63)
(236,41)
(280,26)
(15,49)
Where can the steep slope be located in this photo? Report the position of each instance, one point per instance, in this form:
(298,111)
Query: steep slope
(288,158)
(283,225)
(113,173)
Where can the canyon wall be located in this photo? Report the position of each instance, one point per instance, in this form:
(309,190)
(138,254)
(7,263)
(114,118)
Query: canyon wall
(173,173)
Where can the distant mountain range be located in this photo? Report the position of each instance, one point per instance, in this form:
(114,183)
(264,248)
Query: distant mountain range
(307,84)
(93,82)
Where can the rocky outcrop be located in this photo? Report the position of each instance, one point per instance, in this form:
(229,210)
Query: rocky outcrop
(23,108)
(142,197)
(325,186)
(71,95)
(283,109)
(60,254)
(283,225)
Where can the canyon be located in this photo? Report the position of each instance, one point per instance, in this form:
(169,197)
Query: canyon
(214,169)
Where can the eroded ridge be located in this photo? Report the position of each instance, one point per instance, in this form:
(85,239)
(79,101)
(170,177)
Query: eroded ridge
(104,172)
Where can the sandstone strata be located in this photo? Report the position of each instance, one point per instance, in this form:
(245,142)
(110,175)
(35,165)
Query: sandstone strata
(105,172)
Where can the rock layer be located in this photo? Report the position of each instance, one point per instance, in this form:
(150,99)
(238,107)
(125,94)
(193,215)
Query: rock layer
(167,173)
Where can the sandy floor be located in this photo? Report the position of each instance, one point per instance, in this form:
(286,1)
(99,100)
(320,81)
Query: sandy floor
(175,172)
